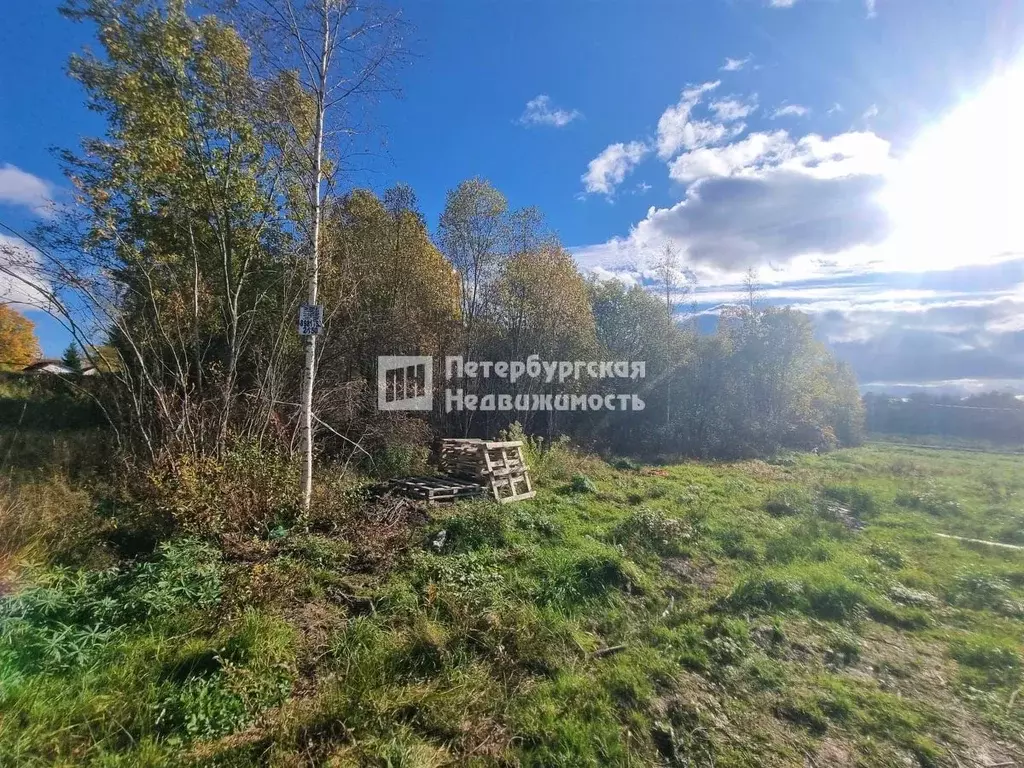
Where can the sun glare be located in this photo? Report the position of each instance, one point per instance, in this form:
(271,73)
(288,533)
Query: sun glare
(957,197)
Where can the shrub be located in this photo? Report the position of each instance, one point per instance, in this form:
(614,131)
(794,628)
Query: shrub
(399,460)
(249,491)
(551,460)
(582,484)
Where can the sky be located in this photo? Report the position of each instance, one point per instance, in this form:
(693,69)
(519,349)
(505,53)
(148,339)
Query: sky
(865,158)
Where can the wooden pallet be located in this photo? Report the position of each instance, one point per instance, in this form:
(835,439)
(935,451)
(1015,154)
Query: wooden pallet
(497,464)
(434,489)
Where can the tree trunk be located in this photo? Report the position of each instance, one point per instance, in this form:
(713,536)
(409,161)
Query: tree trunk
(309,369)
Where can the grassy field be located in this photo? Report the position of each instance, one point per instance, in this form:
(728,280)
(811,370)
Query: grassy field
(801,612)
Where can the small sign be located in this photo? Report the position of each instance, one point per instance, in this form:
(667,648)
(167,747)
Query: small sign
(311,319)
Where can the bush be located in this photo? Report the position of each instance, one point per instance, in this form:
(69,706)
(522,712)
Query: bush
(399,460)
(250,491)
(582,484)
(551,460)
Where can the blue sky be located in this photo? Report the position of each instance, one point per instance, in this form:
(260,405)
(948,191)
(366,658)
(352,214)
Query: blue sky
(857,154)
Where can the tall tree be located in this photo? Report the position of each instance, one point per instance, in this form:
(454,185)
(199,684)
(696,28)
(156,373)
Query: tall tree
(18,344)
(174,250)
(473,234)
(338,54)
(667,269)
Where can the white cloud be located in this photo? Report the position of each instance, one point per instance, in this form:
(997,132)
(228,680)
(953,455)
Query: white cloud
(750,153)
(677,131)
(843,155)
(541,111)
(782,3)
(836,107)
(19,274)
(807,205)
(870,113)
(18,187)
(791,110)
(731,110)
(870,6)
(735,65)
(608,169)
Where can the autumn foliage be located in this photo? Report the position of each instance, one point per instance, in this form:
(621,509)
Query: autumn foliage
(18,344)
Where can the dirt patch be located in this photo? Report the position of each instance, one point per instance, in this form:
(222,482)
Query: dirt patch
(701,575)
(832,753)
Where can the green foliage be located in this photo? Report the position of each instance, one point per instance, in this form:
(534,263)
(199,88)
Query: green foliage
(816,590)
(68,616)
(479,525)
(648,529)
(249,491)
(998,662)
(399,460)
(72,359)
(582,484)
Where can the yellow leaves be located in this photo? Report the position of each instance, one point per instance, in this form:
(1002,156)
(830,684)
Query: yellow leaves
(18,344)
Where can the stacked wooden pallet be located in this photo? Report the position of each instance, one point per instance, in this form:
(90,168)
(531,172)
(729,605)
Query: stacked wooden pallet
(499,466)
(434,489)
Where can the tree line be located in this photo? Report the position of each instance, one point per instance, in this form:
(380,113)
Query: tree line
(995,417)
(216,204)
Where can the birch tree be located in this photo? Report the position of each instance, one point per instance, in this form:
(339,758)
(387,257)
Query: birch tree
(339,55)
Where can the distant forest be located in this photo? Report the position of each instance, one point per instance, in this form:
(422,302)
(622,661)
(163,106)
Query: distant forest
(995,417)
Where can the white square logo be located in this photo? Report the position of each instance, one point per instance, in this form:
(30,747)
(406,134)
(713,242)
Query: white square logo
(405,383)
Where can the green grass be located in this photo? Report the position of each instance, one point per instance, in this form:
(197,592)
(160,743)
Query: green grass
(746,614)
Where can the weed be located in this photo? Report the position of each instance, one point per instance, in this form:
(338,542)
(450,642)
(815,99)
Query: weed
(978,590)
(997,661)
(647,529)
(859,500)
(788,502)
(582,484)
